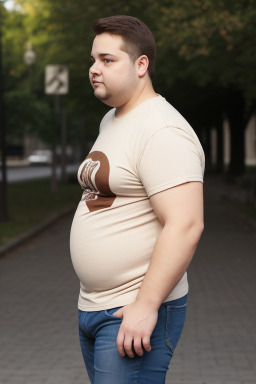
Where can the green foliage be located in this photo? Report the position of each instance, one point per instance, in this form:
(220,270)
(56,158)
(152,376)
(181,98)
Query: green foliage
(216,39)
(206,52)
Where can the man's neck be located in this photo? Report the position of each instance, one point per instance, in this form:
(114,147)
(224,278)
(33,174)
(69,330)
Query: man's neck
(139,98)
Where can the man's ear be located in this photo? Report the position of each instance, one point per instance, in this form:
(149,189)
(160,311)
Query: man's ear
(142,65)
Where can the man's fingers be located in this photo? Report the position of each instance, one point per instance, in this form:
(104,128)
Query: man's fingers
(138,346)
(146,343)
(118,313)
(120,344)
(128,346)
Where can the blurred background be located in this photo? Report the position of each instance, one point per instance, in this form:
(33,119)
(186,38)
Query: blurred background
(205,67)
(49,118)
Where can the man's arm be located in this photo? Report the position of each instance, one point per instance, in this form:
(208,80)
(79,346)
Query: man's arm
(180,210)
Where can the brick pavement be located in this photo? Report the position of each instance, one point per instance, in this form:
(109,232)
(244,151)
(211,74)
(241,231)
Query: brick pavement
(38,296)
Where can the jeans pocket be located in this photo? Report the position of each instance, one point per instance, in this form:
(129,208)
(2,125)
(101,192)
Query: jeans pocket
(109,313)
(175,319)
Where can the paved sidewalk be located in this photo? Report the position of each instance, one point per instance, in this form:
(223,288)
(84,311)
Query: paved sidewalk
(38,297)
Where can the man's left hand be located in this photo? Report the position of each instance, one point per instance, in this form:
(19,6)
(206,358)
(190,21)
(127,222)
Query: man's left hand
(136,328)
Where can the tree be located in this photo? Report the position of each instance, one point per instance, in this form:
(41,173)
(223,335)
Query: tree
(217,42)
(206,56)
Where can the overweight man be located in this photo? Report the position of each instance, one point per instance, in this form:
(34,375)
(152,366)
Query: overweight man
(140,217)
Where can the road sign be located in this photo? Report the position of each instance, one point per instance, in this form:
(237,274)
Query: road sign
(56,80)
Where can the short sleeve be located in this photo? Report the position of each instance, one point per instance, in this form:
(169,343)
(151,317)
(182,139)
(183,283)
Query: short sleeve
(171,156)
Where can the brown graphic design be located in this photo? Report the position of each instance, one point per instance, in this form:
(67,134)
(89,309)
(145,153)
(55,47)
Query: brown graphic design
(94,179)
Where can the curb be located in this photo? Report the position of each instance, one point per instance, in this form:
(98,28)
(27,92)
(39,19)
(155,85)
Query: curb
(35,231)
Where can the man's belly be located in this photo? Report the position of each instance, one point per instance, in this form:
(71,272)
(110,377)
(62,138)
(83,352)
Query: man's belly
(109,251)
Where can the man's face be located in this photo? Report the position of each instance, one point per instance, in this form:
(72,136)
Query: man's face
(113,75)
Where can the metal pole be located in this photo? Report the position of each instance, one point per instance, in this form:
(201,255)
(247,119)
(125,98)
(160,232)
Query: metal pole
(54,184)
(63,144)
(3,181)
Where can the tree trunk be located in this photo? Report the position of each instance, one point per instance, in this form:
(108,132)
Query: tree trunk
(3,181)
(83,139)
(207,146)
(63,145)
(237,121)
(220,143)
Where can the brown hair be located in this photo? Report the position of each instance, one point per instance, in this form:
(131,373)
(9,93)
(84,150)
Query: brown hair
(138,39)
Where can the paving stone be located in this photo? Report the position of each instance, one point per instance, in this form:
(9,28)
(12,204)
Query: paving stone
(38,298)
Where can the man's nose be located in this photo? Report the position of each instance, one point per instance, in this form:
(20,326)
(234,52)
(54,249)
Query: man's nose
(95,69)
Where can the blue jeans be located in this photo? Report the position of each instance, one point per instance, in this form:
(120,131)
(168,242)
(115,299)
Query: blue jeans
(98,332)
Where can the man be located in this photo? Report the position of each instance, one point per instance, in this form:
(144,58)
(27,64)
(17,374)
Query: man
(140,217)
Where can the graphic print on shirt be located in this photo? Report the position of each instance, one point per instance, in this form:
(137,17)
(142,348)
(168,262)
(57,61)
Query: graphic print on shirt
(94,179)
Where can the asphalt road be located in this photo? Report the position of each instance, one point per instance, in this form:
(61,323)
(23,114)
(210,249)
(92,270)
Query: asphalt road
(16,174)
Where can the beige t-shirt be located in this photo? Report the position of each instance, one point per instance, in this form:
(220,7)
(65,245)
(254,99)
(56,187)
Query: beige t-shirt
(148,150)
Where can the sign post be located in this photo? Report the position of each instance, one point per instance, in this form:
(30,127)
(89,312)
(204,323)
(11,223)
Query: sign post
(57,83)
(56,80)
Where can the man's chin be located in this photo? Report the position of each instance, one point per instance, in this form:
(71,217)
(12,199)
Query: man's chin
(101,96)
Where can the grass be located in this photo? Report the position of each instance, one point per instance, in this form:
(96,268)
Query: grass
(31,202)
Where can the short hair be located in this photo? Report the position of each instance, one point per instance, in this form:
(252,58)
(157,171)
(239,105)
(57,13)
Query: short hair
(138,39)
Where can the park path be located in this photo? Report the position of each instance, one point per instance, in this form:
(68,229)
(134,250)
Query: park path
(38,296)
